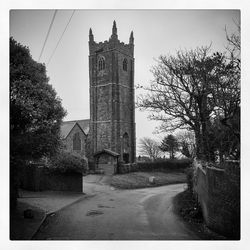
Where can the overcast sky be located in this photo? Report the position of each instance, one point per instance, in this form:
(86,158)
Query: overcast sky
(156,32)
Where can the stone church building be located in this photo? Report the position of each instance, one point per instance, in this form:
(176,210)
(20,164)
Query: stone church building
(111,128)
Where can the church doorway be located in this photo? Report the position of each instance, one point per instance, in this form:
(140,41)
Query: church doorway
(126,157)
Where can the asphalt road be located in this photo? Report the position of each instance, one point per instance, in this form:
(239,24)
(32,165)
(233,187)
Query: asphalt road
(110,214)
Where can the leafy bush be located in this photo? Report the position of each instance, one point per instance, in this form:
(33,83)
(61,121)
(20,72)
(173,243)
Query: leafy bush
(164,165)
(65,162)
(188,207)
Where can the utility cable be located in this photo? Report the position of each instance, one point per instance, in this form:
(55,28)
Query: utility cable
(52,21)
(60,37)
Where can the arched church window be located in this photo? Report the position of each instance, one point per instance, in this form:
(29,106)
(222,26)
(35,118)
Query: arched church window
(125,148)
(125,64)
(101,63)
(76,142)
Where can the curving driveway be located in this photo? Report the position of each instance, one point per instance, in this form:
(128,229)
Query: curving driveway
(110,214)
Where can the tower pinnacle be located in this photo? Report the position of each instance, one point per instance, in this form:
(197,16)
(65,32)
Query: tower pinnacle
(131,38)
(114,31)
(91,37)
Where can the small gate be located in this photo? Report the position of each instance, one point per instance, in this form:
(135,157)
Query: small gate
(108,168)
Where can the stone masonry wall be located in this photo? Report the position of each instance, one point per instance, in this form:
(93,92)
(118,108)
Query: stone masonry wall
(218,192)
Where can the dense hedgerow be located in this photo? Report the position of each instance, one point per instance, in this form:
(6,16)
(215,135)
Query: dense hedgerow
(165,165)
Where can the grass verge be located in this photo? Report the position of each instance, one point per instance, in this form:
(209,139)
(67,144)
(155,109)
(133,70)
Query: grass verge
(187,208)
(141,179)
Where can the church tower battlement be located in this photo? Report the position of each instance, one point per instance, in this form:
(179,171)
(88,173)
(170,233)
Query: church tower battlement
(112,108)
(112,43)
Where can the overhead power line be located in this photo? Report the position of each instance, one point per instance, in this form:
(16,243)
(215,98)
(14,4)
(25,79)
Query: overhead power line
(52,21)
(60,37)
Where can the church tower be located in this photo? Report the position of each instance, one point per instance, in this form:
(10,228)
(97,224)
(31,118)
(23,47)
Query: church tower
(111,86)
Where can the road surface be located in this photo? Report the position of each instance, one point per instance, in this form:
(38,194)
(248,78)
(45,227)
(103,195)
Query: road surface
(111,214)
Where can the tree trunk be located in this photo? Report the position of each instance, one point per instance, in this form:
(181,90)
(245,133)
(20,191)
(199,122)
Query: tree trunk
(199,144)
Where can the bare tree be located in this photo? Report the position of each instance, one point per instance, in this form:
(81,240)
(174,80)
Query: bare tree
(188,90)
(149,147)
(234,50)
(234,45)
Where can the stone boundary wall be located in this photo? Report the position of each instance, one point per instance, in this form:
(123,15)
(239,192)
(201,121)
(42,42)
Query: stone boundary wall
(40,178)
(218,192)
(127,168)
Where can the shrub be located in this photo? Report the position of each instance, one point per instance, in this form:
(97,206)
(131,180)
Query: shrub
(65,162)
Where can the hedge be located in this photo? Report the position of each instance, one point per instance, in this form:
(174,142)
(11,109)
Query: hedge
(165,165)
(159,165)
(65,162)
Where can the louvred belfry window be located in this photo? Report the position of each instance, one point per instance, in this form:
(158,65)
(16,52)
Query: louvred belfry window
(101,63)
(125,64)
